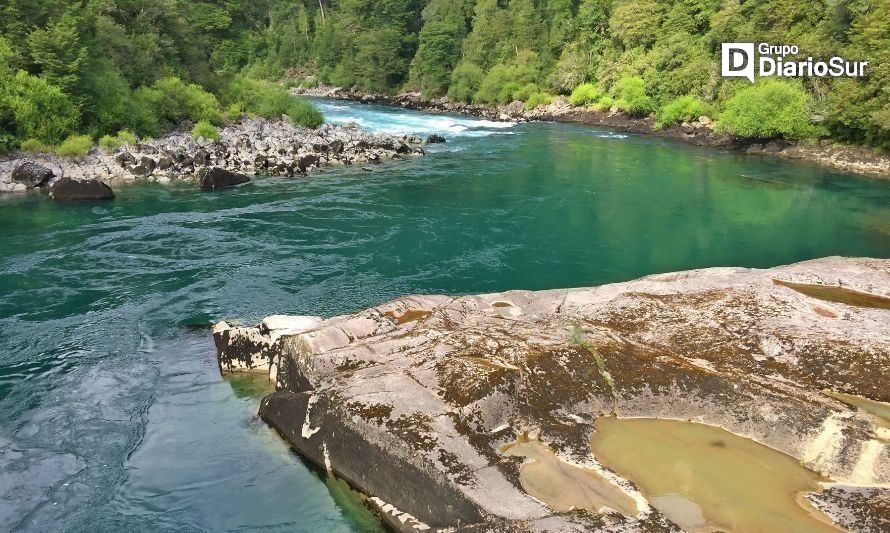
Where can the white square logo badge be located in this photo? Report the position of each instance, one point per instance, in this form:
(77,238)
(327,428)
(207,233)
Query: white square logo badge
(737,60)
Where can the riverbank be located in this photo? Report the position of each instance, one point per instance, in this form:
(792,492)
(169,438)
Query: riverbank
(434,391)
(248,147)
(848,158)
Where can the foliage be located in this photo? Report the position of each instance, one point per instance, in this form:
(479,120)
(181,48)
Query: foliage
(100,66)
(75,146)
(503,80)
(113,142)
(465,81)
(269,100)
(768,109)
(206,130)
(630,96)
(684,108)
(40,110)
(585,94)
(524,92)
(538,98)
(33,146)
(172,100)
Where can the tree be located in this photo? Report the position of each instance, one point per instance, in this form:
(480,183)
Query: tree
(439,49)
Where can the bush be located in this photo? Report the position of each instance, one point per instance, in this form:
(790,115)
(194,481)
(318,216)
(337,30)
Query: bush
(684,108)
(113,142)
(303,113)
(585,94)
(171,100)
(631,97)
(537,99)
(75,146)
(768,109)
(502,81)
(465,81)
(33,146)
(526,91)
(206,130)
(605,103)
(270,100)
(40,111)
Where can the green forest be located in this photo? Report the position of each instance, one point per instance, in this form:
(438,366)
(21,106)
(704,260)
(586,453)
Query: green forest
(103,69)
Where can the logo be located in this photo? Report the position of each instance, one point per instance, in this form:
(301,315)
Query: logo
(738,60)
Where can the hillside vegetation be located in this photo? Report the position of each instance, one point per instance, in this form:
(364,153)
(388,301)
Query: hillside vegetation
(100,66)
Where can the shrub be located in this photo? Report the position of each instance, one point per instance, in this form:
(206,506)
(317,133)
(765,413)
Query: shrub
(537,99)
(502,81)
(40,111)
(585,94)
(172,100)
(303,113)
(270,100)
(604,103)
(631,97)
(684,108)
(768,109)
(33,146)
(465,81)
(113,142)
(206,130)
(526,91)
(75,146)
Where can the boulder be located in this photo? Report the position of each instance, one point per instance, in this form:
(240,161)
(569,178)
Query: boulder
(125,159)
(31,174)
(70,189)
(219,178)
(435,138)
(414,400)
(145,167)
(336,147)
(307,161)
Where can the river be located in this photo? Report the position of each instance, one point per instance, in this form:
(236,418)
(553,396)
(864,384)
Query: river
(113,415)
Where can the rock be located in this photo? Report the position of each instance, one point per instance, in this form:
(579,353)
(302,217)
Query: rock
(435,138)
(145,167)
(774,146)
(307,161)
(71,189)
(213,178)
(31,174)
(403,148)
(336,147)
(427,388)
(705,121)
(125,159)
(165,162)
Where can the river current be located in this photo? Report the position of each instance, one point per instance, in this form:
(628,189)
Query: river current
(113,415)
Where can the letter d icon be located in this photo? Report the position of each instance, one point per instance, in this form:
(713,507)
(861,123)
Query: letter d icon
(737,60)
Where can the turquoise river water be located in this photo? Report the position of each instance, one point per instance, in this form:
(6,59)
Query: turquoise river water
(113,415)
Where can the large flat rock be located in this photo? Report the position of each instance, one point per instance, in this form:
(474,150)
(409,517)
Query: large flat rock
(410,400)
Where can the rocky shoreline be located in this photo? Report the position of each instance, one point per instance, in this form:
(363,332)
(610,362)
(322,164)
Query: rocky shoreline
(246,148)
(848,158)
(415,401)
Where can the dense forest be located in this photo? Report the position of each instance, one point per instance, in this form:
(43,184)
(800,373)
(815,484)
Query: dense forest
(100,66)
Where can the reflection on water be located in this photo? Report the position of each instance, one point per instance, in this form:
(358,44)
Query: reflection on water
(705,478)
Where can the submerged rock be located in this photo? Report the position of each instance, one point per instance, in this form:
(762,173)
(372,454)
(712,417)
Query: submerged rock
(71,189)
(435,138)
(214,178)
(432,390)
(31,174)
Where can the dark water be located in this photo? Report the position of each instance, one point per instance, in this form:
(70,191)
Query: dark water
(112,413)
